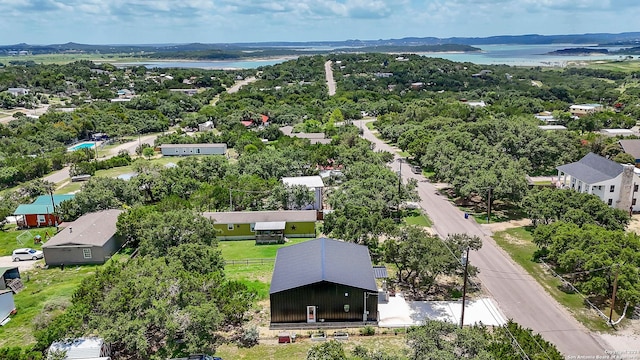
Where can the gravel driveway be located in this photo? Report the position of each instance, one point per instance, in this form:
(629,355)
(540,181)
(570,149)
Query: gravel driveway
(5,261)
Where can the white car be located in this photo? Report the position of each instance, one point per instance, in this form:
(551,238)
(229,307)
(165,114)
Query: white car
(26,254)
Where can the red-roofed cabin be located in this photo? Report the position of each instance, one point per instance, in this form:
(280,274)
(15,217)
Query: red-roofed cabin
(265,119)
(247,123)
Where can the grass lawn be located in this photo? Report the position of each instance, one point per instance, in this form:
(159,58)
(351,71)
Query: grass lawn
(46,291)
(8,241)
(256,276)
(70,187)
(371,126)
(270,349)
(625,66)
(417,217)
(518,243)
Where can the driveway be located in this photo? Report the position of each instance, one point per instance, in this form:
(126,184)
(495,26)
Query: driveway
(398,312)
(5,261)
(518,295)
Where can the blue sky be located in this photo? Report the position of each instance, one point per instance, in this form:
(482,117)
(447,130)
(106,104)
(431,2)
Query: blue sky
(213,21)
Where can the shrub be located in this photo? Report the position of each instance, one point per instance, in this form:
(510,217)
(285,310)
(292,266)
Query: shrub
(367,331)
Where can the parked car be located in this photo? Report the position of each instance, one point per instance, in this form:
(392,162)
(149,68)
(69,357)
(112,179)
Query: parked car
(416,169)
(26,254)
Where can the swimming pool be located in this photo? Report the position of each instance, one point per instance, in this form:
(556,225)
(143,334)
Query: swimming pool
(85,145)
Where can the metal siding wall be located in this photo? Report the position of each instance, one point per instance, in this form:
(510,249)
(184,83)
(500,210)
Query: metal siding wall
(291,306)
(301,228)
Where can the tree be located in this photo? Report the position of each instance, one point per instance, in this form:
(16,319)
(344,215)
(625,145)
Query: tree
(330,350)
(148,152)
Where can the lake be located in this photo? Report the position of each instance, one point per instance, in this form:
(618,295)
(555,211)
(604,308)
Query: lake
(517,55)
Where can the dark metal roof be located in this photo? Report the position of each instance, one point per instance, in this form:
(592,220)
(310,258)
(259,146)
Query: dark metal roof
(248,217)
(320,260)
(380,272)
(592,169)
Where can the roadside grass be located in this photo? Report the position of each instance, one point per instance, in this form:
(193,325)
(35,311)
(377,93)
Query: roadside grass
(417,217)
(46,292)
(70,187)
(518,243)
(270,349)
(371,125)
(8,241)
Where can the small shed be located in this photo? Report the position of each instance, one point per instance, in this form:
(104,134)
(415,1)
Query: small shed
(88,348)
(7,305)
(41,212)
(7,274)
(325,281)
(313,183)
(193,149)
(89,240)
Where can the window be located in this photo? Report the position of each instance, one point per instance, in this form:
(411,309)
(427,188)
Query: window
(230,227)
(633,202)
(198,151)
(635,188)
(252,226)
(86,253)
(612,188)
(610,202)
(41,218)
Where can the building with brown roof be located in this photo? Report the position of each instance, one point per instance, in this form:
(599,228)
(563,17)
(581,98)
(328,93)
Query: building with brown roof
(89,240)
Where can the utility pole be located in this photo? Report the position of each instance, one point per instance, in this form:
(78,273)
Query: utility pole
(613,296)
(489,206)
(465,260)
(230,201)
(399,189)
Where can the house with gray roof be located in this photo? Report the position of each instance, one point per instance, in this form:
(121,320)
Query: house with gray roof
(615,184)
(631,147)
(193,149)
(323,281)
(89,240)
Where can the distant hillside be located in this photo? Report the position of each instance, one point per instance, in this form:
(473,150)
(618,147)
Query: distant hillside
(236,50)
(579,51)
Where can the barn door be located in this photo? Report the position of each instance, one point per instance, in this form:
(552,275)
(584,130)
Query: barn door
(311,314)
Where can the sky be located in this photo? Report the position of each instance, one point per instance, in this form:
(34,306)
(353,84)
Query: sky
(229,21)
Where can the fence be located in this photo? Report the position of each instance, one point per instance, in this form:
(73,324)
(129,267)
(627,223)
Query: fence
(250,261)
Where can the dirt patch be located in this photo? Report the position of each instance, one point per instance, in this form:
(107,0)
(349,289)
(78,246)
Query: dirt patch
(634,224)
(626,339)
(501,226)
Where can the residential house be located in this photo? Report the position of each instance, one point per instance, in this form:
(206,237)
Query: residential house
(314,138)
(18,91)
(584,109)
(617,132)
(189,92)
(552,127)
(41,212)
(264,226)
(613,183)
(193,149)
(205,126)
(631,147)
(323,281)
(91,239)
(313,183)
(88,348)
(546,116)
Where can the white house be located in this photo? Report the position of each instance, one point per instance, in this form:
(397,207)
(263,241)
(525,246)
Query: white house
(313,183)
(193,149)
(617,132)
(89,348)
(584,109)
(613,183)
(18,91)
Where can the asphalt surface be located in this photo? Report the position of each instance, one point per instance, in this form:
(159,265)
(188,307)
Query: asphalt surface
(518,295)
(329,75)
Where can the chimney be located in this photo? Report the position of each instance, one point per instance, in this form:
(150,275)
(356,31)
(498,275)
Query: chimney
(626,188)
(70,229)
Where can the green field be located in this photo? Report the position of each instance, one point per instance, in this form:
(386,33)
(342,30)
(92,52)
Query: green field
(67,58)
(8,241)
(518,243)
(270,349)
(417,217)
(625,66)
(46,292)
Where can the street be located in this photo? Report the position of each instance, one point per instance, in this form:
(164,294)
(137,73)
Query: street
(518,294)
(329,75)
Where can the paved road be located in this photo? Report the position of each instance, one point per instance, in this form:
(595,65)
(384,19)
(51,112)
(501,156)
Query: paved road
(519,296)
(240,84)
(329,75)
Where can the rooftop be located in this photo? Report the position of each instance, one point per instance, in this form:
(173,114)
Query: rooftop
(320,260)
(592,169)
(42,205)
(93,229)
(248,217)
(631,147)
(82,348)
(308,181)
(173,146)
